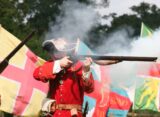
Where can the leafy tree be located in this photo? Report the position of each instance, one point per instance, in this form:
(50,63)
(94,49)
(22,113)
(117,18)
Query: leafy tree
(10,18)
(149,14)
(20,18)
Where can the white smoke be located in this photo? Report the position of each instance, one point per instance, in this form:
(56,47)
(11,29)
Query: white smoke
(116,41)
(125,73)
(77,19)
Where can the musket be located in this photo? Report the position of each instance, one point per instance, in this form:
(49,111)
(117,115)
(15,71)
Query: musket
(119,58)
(5,61)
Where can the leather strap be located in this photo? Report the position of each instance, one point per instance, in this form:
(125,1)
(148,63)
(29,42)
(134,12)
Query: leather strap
(68,107)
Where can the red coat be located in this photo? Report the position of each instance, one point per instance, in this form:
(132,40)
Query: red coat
(67,87)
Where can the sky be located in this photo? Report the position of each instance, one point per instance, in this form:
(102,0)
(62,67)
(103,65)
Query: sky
(123,6)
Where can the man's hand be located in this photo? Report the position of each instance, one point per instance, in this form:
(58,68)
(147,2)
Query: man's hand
(65,62)
(87,64)
(106,62)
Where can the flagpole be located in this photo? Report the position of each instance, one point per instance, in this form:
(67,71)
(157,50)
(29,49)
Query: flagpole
(5,61)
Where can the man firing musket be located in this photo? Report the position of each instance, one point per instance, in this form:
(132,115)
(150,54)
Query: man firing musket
(68,77)
(98,59)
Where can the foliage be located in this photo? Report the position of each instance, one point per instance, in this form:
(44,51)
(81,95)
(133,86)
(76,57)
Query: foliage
(20,18)
(149,14)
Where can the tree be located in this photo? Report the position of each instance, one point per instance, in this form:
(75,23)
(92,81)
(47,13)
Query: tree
(149,14)
(10,18)
(20,18)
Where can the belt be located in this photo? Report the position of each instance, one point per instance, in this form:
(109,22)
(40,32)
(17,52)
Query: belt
(68,107)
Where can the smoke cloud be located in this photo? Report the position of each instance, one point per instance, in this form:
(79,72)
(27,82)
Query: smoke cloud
(125,73)
(117,42)
(75,21)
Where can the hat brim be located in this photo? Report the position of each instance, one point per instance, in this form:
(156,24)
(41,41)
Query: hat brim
(51,46)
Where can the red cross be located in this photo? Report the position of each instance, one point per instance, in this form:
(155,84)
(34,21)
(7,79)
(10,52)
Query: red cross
(28,83)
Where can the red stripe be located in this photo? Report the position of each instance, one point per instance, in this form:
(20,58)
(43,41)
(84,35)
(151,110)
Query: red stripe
(119,102)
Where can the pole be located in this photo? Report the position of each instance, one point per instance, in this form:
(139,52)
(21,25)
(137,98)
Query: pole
(5,61)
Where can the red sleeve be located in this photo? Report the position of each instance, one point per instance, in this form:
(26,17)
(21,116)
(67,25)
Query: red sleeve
(44,72)
(88,84)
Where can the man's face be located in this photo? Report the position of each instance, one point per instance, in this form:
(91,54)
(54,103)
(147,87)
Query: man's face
(59,55)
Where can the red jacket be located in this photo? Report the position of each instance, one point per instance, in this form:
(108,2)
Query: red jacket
(66,87)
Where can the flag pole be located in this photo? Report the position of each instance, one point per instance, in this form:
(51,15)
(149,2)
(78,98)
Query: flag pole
(5,61)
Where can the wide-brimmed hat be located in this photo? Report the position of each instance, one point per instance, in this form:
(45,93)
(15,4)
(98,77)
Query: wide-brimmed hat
(59,45)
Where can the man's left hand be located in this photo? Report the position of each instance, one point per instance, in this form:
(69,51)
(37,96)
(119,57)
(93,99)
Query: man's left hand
(87,63)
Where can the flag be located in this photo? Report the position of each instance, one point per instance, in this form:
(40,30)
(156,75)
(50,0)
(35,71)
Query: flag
(145,31)
(100,97)
(20,93)
(147,93)
(119,103)
(154,70)
(147,89)
(155,67)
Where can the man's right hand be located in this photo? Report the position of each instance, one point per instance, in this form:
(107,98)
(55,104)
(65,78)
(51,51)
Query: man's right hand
(65,62)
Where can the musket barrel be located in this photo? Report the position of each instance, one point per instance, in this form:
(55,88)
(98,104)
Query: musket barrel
(120,58)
